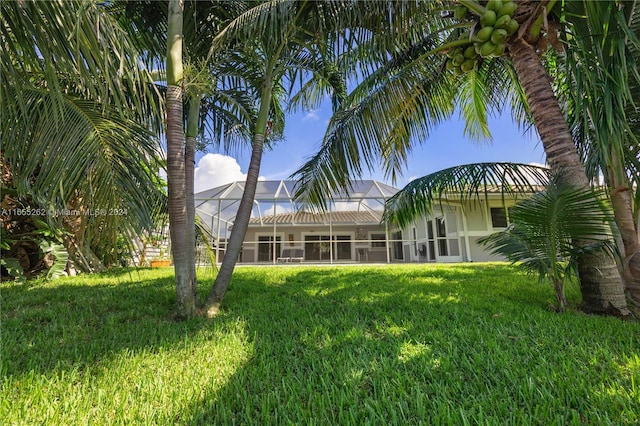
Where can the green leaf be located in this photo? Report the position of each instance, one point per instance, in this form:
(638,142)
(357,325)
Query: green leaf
(60,257)
(469,182)
(14,269)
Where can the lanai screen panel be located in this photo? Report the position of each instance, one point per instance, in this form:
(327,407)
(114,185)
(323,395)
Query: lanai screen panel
(217,207)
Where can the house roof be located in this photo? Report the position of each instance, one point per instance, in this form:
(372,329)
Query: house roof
(339,217)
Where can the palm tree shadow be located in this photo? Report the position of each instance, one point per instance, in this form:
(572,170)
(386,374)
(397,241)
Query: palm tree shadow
(72,326)
(343,334)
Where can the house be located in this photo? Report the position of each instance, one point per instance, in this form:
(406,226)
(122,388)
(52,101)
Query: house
(350,231)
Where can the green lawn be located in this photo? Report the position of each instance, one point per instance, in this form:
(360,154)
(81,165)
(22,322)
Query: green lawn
(411,344)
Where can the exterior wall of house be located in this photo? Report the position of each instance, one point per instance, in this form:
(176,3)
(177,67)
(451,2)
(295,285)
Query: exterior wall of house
(479,253)
(450,234)
(476,218)
(479,224)
(445,236)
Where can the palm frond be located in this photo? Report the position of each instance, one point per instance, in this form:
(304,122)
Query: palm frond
(56,42)
(402,94)
(474,100)
(602,60)
(469,182)
(377,123)
(544,230)
(89,157)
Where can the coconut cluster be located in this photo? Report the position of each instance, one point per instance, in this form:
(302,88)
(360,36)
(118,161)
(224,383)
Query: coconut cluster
(494,24)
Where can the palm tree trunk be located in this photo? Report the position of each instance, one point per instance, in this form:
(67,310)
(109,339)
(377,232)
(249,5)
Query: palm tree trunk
(241,222)
(600,282)
(561,300)
(623,212)
(176,184)
(189,166)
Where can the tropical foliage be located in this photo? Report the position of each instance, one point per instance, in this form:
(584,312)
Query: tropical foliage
(543,230)
(389,112)
(604,127)
(76,96)
(77,118)
(469,182)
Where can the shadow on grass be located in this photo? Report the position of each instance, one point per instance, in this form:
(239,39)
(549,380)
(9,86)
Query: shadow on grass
(336,346)
(341,345)
(65,326)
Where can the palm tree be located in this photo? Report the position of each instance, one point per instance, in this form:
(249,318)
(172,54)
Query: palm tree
(209,110)
(543,230)
(603,124)
(181,245)
(270,46)
(76,113)
(279,45)
(400,102)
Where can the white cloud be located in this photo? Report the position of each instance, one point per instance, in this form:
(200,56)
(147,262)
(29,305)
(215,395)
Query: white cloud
(537,164)
(312,115)
(215,170)
(347,206)
(279,208)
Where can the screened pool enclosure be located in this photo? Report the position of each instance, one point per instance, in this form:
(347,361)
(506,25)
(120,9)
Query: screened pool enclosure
(284,231)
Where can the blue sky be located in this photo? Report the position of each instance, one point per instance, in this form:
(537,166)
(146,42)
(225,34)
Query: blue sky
(446,147)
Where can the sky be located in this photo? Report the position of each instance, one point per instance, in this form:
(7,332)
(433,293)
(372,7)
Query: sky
(446,147)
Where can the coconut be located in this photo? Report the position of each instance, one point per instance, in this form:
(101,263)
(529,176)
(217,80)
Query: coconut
(488,19)
(498,36)
(460,12)
(487,49)
(499,50)
(458,59)
(508,9)
(512,27)
(484,34)
(502,22)
(470,52)
(494,5)
(468,65)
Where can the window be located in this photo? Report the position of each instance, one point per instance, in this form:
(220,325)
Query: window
(397,246)
(498,217)
(342,247)
(317,247)
(431,241)
(441,228)
(378,241)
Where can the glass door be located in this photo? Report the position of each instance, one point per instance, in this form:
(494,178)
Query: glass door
(397,246)
(448,247)
(317,247)
(342,247)
(265,248)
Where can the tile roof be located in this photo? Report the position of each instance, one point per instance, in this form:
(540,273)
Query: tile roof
(359,217)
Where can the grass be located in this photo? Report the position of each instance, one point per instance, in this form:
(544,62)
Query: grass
(411,344)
